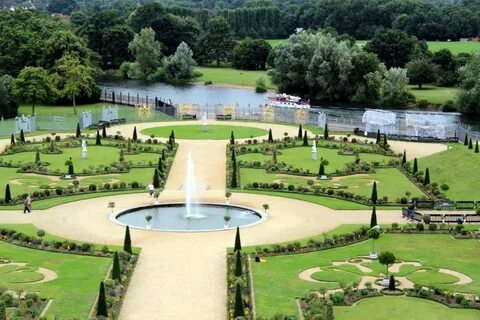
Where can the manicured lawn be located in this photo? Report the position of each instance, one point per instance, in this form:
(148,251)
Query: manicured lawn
(434,251)
(76,287)
(215,132)
(402,308)
(301,157)
(390,182)
(433,94)
(458,167)
(232,76)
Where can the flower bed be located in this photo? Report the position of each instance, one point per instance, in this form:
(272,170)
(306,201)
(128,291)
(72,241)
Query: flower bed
(239,280)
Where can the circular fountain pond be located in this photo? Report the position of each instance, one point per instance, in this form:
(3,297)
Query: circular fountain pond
(200,217)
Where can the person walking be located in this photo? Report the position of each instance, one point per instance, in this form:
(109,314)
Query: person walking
(151,189)
(27,204)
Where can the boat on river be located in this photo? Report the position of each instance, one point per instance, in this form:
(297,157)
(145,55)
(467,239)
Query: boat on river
(287,101)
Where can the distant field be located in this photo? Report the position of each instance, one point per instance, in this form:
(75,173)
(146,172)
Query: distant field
(455,47)
(232,76)
(437,95)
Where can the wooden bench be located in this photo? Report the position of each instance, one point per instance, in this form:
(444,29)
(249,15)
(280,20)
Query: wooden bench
(465,205)
(472,218)
(189,117)
(452,218)
(224,117)
(99,126)
(425,204)
(118,121)
(436,218)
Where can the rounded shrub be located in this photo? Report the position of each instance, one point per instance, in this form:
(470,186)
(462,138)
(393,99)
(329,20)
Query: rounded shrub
(420,227)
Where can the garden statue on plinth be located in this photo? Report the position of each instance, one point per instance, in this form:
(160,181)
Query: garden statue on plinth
(314,150)
(84,149)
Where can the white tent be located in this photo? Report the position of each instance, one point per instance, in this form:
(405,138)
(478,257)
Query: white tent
(426,125)
(379,120)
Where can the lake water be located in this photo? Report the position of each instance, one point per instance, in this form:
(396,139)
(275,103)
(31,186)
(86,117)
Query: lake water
(210,95)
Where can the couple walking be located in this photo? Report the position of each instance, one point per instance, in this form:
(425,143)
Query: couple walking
(27,204)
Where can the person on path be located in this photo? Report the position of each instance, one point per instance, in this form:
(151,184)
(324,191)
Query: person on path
(151,189)
(27,204)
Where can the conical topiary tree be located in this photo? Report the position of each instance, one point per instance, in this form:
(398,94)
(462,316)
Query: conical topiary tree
(104,133)
(127,241)
(78,134)
(373,218)
(470,144)
(465,142)
(8,195)
(391,283)
(404,159)
(238,310)
(12,140)
(164,157)
(325,131)
(37,157)
(238,264)
(233,180)
(134,135)
(476,147)
(116,267)
(374,196)
(385,142)
(22,136)
(378,137)
(156,179)
(98,141)
(232,138)
(102,302)
(270,136)
(238,243)
(172,134)
(300,132)
(274,156)
(305,138)
(70,169)
(415,166)
(160,166)
(426,181)
(321,171)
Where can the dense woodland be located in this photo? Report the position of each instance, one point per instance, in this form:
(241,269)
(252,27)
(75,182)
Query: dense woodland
(165,41)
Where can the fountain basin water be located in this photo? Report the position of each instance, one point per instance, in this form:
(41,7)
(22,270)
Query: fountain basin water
(173,217)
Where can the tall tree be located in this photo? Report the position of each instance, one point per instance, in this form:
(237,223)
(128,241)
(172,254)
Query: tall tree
(238,264)
(75,78)
(8,195)
(238,243)
(116,267)
(393,47)
(217,42)
(134,135)
(426,180)
(395,92)
(373,217)
(8,102)
(270,136)
(147,52)
(300,131)
(62,43)
(404,158)
(469,96)
(156,179)
(415,166)
(179,67)
(34,85)
(62,6)
(250,54)
(238,310)
(374,196)
(78,133)
(421,71)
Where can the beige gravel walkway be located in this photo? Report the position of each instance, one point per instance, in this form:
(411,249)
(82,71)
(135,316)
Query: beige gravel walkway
(182,275)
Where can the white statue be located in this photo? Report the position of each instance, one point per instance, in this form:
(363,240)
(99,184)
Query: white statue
(314,150)
(84,149)
(204,121)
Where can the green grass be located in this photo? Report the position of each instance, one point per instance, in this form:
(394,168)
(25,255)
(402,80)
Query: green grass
(402,308)
(433,94)
(458,167)
(390,182)
(230,76)
(215,132)
(76,287)
(31,230)
(431,277)
(282,271)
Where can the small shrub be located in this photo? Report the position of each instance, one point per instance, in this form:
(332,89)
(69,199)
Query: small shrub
(432,227)
(92,187)
(420,227)
(107,186)
(59,191)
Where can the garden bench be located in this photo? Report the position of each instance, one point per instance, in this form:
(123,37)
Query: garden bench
(189,117)
(418,217)
(472,218)
(452,218)
(465,205)
(436,218)
(224,117)
(425,204)
(118,121)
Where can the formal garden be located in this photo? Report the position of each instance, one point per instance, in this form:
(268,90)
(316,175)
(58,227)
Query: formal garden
(81,166)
